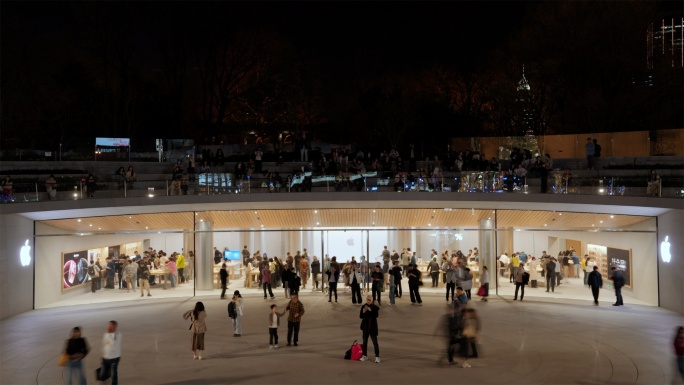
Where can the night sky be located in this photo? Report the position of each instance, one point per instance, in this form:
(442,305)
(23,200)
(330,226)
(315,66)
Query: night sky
(393,37)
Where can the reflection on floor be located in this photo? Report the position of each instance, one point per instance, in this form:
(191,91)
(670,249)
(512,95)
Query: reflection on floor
(571,288)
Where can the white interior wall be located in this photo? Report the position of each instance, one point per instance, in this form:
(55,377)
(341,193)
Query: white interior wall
(48,278)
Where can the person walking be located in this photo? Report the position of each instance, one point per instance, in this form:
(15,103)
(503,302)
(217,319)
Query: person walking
(595,283)
(333,277)
(378,283)
(392,288)
(198,316)
(589,264)
(471,328)
(550,275)
(144,277)
(460,300)
(405,261)
(512,266)
(355,279)
(266,280)
(129,273)
(273,323)
(484,282)
(224,280)
(237,313)
(679,350)
(414,283)
(294,319)
(396,271)
(180,265)
(76,349)
(111,352)
(94,274)
(285,277)
(519,282)
(315,271)
(369,326)
(618,283)
(557,271)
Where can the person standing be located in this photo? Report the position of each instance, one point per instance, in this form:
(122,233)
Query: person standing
(550,275)
(111,270)
(217,256)
(369,326)
(297,262)
(386,255)
(245,255)
(294,319)
(451,279)
(355,279)
(333,277)
(285,277)
(519,282)
(590,151)
(484,282)
(414,283)
(597,149)
(180,264)
(94,274)
(315,271)
(533,272)
(414,260)
(512,266)
(392,288)
(273,323)
(618,283)
(460,300)
(434,272)
(129,273)
(557,270)
(467,282)
(76,348)
(396,271)
(588,268)
(144,277)
(576,264)
(237,313)
(378,279)
(257,159)
(266,280)
(111,352)
(304,271)
(224,280)
(198,328)
(294,283)
(595,283)
(405,260)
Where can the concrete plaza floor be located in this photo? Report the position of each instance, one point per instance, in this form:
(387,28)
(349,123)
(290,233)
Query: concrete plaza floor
(531,342)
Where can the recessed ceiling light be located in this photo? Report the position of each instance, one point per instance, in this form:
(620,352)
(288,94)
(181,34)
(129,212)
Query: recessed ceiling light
(544,224)
(146,227)
(612,216)
(99,228)
(373,210)
(130,217)
(429,224)
(493,212)
(489,218)
(195,214)
(317,223)
(201,220)
(79,220)
(434,211)
(90,225)
(255,212)
(315,211)
(262,225)
(373,222)
(592,224)
(560,213)
(600,221)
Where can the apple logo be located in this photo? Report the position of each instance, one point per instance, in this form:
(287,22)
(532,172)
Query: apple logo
(664,250)
(459,237)
(26,256)
(350,242)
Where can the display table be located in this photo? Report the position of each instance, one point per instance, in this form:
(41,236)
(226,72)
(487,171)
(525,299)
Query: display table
(162,274)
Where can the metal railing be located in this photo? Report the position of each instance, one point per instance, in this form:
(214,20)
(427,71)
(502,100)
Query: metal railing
(229,183)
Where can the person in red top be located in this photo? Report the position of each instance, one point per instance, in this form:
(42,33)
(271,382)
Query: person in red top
(266,280)
(679,350)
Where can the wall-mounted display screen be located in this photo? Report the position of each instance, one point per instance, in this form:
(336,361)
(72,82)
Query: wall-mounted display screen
(75,269)
(231,255)
(606,257)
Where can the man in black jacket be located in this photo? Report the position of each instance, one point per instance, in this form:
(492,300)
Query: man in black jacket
(550,275)
(618,283)
(414,282)
(595,282)
(294,283)
(369,325)
(333,276)
(285,277)
(396,271)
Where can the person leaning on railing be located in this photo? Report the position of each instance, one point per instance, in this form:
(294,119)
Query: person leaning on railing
(653,189)
(51,187)
(7,186)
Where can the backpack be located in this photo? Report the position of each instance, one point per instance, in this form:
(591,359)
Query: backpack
(232,313)
(91,271)
(355,352)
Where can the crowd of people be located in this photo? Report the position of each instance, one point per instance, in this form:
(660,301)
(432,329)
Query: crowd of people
(127,272)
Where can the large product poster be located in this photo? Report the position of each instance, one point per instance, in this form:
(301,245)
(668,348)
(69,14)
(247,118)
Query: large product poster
(622,260)
(75,269)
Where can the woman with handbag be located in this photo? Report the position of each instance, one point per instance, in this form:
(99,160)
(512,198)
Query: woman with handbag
(75,352)
(484,284)
(198,328)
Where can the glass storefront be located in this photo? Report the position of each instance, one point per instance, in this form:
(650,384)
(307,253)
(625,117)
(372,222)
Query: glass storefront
(66,248)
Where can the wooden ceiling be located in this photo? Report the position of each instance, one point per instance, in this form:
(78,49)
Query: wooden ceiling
(395,218)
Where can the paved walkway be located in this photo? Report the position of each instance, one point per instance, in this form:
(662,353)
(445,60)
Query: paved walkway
(531,342)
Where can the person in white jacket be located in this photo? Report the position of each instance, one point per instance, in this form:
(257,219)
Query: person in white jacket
(533,271)
(588,268)
(237,324)
(111,352)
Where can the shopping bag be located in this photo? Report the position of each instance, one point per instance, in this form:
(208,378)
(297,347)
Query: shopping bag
(101,374)
(481,291)
(63,359)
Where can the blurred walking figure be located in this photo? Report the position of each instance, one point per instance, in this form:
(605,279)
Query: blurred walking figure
(198,328)
(596,283)
(76,349)
(679,350)
(471,328)
(111,352)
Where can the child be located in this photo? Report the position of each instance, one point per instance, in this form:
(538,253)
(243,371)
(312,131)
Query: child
(391,289)
(273,323)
